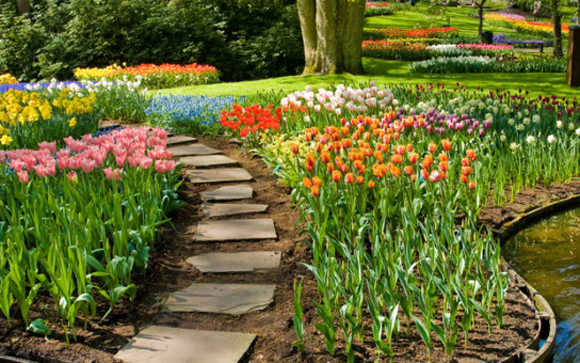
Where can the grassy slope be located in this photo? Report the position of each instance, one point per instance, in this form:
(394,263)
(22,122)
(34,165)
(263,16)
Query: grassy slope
(396,72)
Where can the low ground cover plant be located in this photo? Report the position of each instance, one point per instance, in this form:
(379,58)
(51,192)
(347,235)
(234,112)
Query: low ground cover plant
(483,64)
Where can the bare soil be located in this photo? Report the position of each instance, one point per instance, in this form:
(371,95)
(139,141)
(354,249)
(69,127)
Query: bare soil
(168,272)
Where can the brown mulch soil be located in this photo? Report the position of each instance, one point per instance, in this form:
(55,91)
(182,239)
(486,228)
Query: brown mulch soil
(168,271)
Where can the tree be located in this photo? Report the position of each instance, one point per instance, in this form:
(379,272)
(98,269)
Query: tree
(557,26)
(23,6)
(480,5)
(332,34)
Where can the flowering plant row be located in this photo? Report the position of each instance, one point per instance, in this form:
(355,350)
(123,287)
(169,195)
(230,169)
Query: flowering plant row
(381,177)
(7,79)
(154,76)
(376,8)
(481,64)
(420,51)
(522,25)
(411,33)
(108,194)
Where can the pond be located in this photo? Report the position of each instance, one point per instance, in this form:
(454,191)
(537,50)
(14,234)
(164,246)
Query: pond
(547,255)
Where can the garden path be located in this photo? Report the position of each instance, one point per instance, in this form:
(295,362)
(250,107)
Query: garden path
(158,343)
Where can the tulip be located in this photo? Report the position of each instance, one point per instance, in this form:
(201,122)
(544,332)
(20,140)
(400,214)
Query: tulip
(466,170)
(432,147)
(371,184)
(446,144)
(307,182)
(23,176)
(294,148)
(471,185)
(409,170)
(426,163)
(413,157)
(317,181)
(349,178)
(315,190)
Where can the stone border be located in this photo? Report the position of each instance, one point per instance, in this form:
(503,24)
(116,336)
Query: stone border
(545,315)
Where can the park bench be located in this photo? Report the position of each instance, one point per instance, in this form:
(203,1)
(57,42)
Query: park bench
(501,39)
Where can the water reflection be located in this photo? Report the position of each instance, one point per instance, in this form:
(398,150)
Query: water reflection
(547,255)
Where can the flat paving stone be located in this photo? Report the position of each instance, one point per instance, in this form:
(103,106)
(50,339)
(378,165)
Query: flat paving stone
(166,344)
(221,262)
(235,230)
(232,299)
(218,175)
(231,192)
(193,150)
(211,210)
(180,139)
(208,161)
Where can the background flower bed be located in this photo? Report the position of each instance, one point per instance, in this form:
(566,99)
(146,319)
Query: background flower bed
(473,64)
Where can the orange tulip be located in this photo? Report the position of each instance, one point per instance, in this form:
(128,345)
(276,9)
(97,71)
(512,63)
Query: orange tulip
(315,190)
(325,157)
(471,155)
(295,149)
(465,162)
(427,161)
(443,157)
(432,147)
(317,181)
(413,157)
(400,150)
(424,174)
(409,147)
(349,178)
(360,179)
(409,170)
(446,144)
(336,175)
(463,178)
(371,184)
(344,168)
(397,159)
(395,171)
(444,166)
(307,182)
(466,170)
(330,167)
(471,185)
(414,177)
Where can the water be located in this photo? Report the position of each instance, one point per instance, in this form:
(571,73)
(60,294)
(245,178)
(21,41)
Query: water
(547,255)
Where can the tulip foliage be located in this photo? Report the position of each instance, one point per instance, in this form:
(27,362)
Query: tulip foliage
(76,223)
(390,184)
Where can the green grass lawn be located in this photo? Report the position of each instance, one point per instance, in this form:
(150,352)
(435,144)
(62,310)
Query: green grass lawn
(392,73)
(416,18)
(397,72)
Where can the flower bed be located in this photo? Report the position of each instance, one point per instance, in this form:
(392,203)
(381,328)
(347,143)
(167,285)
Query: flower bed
(7,79)
(390,184)
(77,221)
(482,64)
(378,8)
(521,25)
(410,33)
(154,76)
(420,51)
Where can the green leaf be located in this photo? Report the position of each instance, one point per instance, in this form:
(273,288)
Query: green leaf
(38,326)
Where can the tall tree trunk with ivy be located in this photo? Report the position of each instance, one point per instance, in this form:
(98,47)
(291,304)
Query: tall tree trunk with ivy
(332,34)
(480,5)
(557,25)
(23,6)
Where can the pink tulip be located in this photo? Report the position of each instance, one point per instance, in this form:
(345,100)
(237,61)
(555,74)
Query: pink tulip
(160,133)
(40,170)
(121,159)
(72,177)
(50,146)
(23,176)
(87,165)
(17,165)
(145,162)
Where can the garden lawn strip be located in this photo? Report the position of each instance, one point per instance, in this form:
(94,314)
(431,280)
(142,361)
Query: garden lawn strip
(212,210)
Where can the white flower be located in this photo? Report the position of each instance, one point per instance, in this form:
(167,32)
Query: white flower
(521,127)
(526,121)
(284,102)
(307,118)
(559,124)
(503,138)
(551,139)
(514,146)
(317,108)
(530,139)
(578,131)
(536,119)
(395,102)
(571,126)
(337,110)
(511,122)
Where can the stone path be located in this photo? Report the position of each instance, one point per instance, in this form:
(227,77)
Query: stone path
(167,344)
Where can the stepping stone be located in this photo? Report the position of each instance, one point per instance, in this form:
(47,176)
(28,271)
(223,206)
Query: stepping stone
(219,175)
(181,139)
(221,262)
(233,192)
(235,230)
(208,161)
(165,344)
(211,210)
(232,299)
(193,150)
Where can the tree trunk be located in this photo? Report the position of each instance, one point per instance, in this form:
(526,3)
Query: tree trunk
(480,19)
(307,15)
(23,6)
(332,35)
(557,25)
